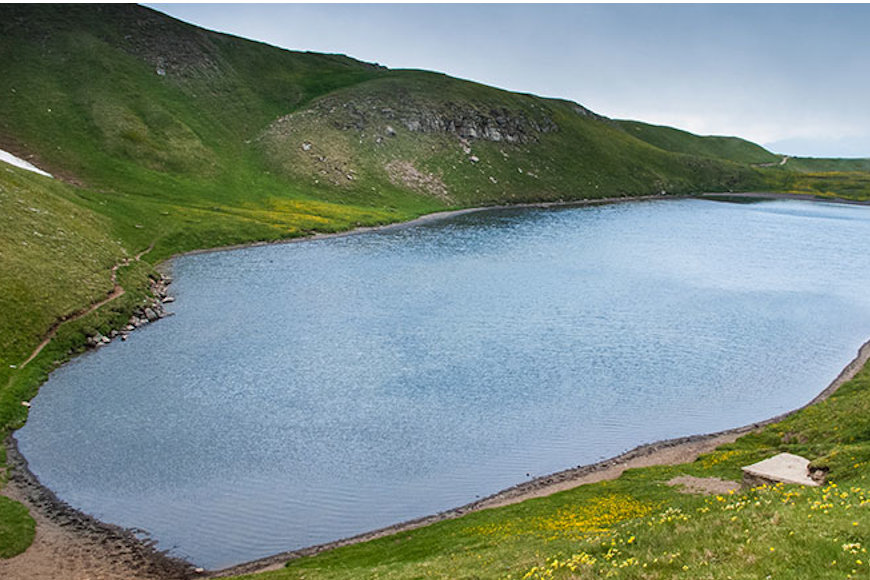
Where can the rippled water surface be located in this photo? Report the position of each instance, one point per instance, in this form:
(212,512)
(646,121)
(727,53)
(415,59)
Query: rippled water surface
(311,391)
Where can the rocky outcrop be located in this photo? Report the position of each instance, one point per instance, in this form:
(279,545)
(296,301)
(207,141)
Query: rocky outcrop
(385,111)
(458,119)
(151,311)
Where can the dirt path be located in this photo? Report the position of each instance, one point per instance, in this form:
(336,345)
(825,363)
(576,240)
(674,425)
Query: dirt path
(781,162)
(116,292)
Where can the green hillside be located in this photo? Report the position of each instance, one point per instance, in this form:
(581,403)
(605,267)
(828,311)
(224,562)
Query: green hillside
(677,141)
(165,138)
(825,178)
(461,143)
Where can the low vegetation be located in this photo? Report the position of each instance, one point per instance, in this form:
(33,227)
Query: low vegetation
(715,147)
(16,528)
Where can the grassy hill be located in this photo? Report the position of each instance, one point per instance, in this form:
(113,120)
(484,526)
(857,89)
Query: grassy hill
(166,138)
(465,144)
(670,139)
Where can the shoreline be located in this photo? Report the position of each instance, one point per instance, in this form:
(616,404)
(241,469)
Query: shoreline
(665,452)
(423,219)
(446,214)
(770,195)
(132,557)
(141,559)
(126,549)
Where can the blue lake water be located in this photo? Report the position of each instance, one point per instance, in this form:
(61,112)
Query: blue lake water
(312,391)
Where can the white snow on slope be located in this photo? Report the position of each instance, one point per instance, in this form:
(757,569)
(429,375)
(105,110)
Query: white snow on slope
(18,162)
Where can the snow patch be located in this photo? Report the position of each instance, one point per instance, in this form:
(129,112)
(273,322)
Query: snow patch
(18,162)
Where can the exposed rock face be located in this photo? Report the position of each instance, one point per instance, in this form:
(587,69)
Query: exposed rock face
(466,120)
(424,134)
(460,120)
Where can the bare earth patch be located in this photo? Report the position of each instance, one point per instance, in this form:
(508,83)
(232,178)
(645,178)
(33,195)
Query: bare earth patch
(404,173)
(705,485)
(70,545)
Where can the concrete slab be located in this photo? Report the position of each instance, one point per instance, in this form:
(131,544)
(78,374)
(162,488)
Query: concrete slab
(784,468)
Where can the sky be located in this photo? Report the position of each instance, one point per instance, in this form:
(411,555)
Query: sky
(792,77)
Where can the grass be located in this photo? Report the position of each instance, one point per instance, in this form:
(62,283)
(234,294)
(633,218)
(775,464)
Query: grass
(771,532)
(17,528)
(55,256)
(670,139)
(640,527)
(853,185)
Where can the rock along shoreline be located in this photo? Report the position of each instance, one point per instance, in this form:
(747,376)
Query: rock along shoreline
(133,551)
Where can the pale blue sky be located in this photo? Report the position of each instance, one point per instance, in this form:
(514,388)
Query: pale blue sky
(795,78)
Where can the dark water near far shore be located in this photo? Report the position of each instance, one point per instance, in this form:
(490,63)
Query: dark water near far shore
(312,391)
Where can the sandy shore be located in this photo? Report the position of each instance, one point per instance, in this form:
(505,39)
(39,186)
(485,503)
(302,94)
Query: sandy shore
(72,545)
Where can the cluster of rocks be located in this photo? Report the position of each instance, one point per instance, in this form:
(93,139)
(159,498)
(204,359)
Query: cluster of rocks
(584,112)
(465,120)
(151,311)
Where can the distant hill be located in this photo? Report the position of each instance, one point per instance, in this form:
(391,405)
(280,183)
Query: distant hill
(677,141)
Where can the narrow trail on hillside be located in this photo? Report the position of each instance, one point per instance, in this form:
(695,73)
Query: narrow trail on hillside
(116,292)
(780,163)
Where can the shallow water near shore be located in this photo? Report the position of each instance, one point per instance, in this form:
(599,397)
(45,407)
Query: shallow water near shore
(308,392)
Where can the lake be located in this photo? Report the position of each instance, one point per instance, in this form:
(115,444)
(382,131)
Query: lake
(311,391)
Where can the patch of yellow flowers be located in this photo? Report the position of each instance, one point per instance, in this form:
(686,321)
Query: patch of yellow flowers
(612,557)
(591,516)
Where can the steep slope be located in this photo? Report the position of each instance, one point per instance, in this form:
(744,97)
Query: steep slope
(55,255)
(136,83)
